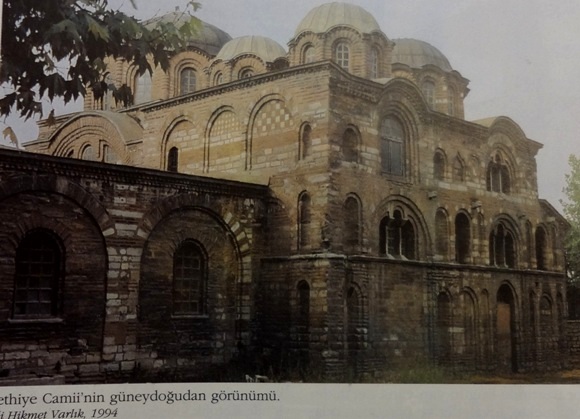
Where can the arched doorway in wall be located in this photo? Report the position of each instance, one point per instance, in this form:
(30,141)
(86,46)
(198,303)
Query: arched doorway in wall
(506,349)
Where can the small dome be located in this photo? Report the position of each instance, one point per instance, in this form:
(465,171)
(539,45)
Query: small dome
(265,48)
(207,37)
(416,54)
(325,17)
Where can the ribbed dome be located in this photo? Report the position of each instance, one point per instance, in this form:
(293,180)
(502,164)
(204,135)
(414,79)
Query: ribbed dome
(416,54)
(325,17)
(265,48)
(207,37)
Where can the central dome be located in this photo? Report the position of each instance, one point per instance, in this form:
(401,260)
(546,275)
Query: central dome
(265,48)
(325,17)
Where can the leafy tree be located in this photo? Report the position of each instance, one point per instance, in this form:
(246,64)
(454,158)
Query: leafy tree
(58,48)
(572,213)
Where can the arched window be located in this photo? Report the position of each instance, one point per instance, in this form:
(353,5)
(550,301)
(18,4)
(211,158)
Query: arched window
(498,176)
(397,236)
(458,170)
(374,73)
(88,153)
(342,55)
(189,281)
(541,248)
(173,160)
(305,140)
(109,156)
(392,147)
(187,81)
(39,267)
(218,79)
(502,251)
(308,54)
(108,96)
(441,234)
(142,92)
(304,220)
(350,145)
(529,243)
(462,238)
(439,165)
(246,73)
(352,224)
(428,89)
(451,101)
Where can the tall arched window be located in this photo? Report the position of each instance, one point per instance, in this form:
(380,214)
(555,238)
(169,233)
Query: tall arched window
(462,238)
(441,233)
(187,81)
(308,54)
(502,251)
(397,236)
(541,248)
(304,220)
(39,267)
(498,176)
(451,101)
(173,160)
(189,279)
(342,55)
(439,165)
(392,146)
(458,170)
(350,145)
(352,224)
(374,73)
(305,140)
(428,89)
(142,91)
(108,96)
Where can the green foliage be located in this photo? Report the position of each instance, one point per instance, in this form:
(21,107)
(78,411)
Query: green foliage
(572,214)
(58,48)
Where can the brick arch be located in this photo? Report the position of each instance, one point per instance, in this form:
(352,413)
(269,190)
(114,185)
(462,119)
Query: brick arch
(199,202)
(183,60)
(211,125)
(244,61)
(64,187)
(171,123)
(73,134)
(254,124)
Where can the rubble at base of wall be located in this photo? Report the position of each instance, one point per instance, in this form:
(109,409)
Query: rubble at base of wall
(31,380)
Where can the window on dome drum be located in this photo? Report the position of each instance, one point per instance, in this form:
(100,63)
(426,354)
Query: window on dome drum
(350,145)
(142,91)
(439,165)
(397,237)
(441,233)
(462,238)
(541,248)
(498,176)
(305,140)
(392,146)
(304,220)
(246,72)
(451,101)
(88,153)
(502,250)
(173,160)
(308,54)
(428,89)
(342,55)
(39,267)
(107,101)
(189,279)
(187,81)
(352,224)
(374,63)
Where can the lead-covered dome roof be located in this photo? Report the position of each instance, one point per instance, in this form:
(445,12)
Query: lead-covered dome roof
(266,49)
(417,54)
(207,37)
(327,16)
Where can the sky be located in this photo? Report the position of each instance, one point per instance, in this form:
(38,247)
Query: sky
(521,57)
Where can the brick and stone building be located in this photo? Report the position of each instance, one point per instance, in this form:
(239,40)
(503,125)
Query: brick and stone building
(324,207)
